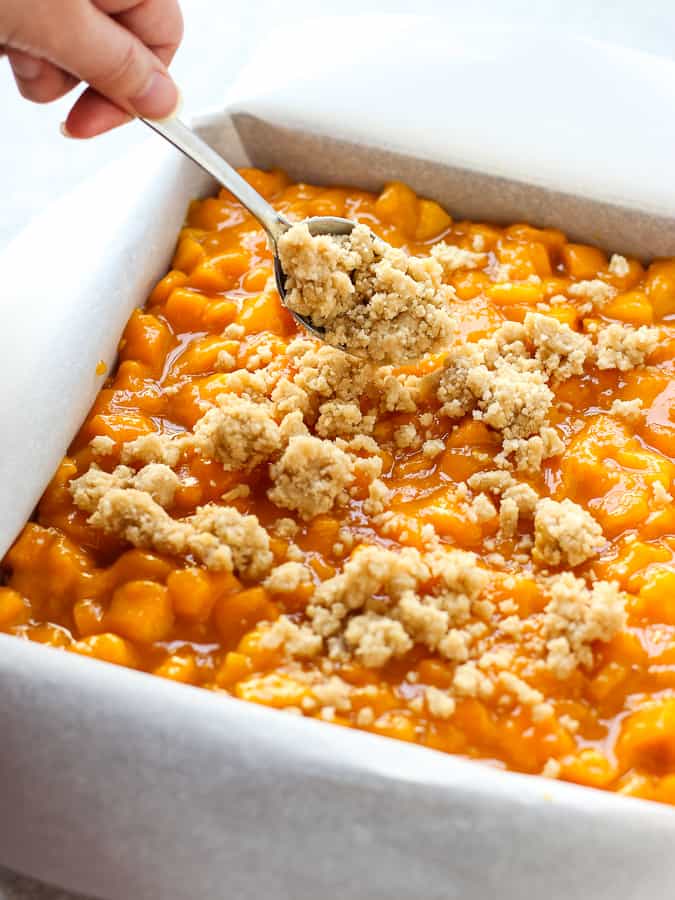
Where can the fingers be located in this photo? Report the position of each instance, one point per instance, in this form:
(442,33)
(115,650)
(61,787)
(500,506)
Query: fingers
(157,23)
(121,48)
(37,79)
(93,114)
(94,47)
(118,65)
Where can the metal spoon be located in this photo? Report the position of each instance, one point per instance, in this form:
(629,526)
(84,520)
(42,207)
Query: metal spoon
(189,143)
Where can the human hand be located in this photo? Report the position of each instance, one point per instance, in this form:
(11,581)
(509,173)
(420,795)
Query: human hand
(120,48)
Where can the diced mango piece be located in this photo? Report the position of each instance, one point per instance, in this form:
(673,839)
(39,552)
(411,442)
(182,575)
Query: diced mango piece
(14,610)
(218,314)
(108,648)
(658,595)
(235,667)
(189,254)
(141,611)
(632,307)
(273,690)
(398,205)
(171,280)
(236,613)
(266,313)
(146,339)
(660,288)
(184,309)
(589,767)
(432,219)
(178,668)
(191,593)
(647,739)
(510,293)
(583,262)
(88,615)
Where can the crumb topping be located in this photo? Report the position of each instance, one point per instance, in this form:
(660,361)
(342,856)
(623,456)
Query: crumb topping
(288,577)
(152,448)
(239,433)
(316,432)
(383,603)
(434,549)
(439,703)
(560,351)
(565,533)
(575,617)
(501,382)
(219,536)
(337,419)
(311,476)
(102,445)
(595,292)
(155,479)
(453,258)
(630,410)
(497,381)
(619,266)
(372,299)
(623,347)
(375,635)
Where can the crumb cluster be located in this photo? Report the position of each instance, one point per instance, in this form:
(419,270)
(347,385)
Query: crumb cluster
(370,298)
(132,507)
(381,605)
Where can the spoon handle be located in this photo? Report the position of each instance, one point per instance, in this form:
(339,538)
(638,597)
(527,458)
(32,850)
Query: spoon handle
(189,143)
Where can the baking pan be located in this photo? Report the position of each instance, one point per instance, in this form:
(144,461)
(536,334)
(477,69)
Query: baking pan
(128,787)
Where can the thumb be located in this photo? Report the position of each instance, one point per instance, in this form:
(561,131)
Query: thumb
(100,51)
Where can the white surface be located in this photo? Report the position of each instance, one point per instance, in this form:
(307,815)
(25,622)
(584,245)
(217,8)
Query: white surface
(74,324)
(37,164)
(182,794)
(42,167)
(556,130)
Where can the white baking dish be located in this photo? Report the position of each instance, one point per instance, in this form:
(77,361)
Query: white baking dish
(128,787)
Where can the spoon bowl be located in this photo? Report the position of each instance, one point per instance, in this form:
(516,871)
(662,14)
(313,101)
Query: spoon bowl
(333,225)
(191,145)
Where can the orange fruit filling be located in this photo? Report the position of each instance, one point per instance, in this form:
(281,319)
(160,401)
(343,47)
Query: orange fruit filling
(607,721)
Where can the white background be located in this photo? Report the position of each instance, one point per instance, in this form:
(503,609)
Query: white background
(37,164)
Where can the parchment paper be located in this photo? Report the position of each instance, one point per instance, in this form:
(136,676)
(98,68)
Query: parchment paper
(117,784)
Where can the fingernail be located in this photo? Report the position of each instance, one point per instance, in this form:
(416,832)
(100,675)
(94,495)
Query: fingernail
(63,128)
(178,109)
(159,99)
(26,67)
